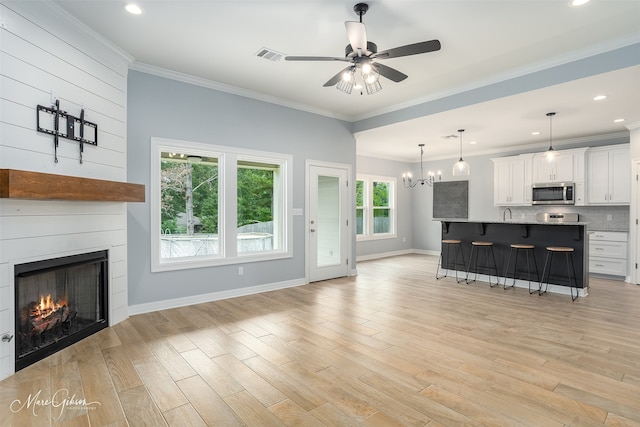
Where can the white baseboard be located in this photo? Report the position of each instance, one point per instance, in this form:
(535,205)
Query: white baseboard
(395,253)
(552,289)
(426,252)
(213,296)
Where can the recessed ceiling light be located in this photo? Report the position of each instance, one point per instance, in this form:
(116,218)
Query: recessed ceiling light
(132,8)
(579,2)
(599,97)
(618,121)
(473,142)
(535,133)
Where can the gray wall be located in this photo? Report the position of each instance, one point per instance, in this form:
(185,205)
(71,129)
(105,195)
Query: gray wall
(404,211)
(426,231)
(165,108)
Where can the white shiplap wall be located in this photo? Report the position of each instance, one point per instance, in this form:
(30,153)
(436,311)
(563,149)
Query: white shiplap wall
(46,54)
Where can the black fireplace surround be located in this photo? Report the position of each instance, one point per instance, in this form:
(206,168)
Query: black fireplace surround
(58,302)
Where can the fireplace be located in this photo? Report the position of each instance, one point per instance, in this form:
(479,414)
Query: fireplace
(58,302)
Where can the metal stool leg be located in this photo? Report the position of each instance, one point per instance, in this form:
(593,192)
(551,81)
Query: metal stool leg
(506,269)
(455,264)
(441,262)
(548,260)
(495,267)
(469,268)
(570,260)
(535,264)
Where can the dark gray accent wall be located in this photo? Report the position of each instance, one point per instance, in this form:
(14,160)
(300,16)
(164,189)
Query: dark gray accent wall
(165,108)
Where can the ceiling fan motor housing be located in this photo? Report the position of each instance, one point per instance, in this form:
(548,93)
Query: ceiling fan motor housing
(371,49)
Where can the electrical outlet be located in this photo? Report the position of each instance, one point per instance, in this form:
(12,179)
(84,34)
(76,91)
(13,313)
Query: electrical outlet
(240,271)
(609,217)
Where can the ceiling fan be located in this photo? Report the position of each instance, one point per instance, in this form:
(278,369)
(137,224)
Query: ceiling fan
(363,54)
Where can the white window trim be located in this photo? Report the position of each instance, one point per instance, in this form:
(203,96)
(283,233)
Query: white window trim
(227,204)
(368,207)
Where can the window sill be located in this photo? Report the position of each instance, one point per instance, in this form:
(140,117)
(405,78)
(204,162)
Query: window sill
(188,263)
(376,237)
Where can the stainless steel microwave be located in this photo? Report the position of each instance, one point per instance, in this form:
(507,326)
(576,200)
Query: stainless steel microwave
(553,193)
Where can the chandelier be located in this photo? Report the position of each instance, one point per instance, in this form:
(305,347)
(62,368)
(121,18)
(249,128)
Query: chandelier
(409,183)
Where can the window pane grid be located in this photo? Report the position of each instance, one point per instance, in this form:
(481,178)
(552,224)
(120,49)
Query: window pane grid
(374,207)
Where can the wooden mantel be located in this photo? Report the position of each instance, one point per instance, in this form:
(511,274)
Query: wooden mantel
(18,184)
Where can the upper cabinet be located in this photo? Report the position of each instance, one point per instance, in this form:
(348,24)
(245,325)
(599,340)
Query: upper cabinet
(609,175)
(512,180)
(560,170)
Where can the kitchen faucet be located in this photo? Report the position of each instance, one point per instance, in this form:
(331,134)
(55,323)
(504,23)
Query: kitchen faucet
(504,214)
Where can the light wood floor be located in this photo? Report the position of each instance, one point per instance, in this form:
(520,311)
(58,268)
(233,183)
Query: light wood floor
(392,346)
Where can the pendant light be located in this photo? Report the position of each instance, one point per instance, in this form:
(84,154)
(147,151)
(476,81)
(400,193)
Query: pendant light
(550,154)
(461,168)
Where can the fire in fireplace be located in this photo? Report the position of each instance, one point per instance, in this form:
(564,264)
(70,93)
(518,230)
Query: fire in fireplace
(59,301)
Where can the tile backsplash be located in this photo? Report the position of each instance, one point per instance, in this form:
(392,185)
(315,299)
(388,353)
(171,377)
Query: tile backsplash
(601,218)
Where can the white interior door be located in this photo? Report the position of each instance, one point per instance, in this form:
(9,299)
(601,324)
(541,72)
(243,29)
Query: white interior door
(328,225)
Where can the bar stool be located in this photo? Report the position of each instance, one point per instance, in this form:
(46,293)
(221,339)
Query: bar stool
(527,249)
(444,260)
(488,250)
(551,250)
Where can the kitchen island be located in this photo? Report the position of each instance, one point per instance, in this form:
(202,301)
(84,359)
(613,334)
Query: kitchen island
(505,233)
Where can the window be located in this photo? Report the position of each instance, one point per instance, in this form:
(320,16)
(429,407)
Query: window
(360,208)
(375,207)
(258,199)
(214,205)
(188,205)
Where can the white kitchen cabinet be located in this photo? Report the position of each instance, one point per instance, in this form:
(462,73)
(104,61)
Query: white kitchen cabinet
(608,252)
(560,170)
(511,182)
(609,175)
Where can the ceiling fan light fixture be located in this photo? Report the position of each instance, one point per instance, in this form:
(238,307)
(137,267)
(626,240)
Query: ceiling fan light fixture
(373,87)
(347,81)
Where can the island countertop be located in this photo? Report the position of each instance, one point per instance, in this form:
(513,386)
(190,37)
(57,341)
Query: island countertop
(505,233)
(509,221)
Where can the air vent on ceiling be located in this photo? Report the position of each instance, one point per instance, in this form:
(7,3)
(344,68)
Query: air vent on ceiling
(269,54)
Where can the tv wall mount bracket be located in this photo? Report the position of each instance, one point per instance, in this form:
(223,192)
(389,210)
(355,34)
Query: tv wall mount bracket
(67,126)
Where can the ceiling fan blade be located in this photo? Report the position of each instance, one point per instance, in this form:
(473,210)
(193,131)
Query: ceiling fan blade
(316,58)
(410,49)
(357,35)
(335,79)
(390,73)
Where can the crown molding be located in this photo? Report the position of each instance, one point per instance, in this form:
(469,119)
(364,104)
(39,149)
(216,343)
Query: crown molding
(234,90)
